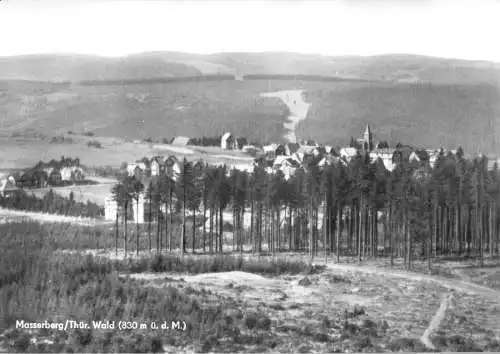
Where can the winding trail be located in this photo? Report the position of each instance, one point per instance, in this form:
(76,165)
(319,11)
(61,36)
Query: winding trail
(455,284)
(298,110)
(464,286)
(436,321)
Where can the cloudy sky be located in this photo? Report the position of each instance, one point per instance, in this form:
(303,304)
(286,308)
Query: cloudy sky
(456,28)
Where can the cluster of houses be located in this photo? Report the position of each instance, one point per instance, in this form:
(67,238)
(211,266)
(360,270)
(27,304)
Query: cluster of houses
(157,166)
(289,157)
(228,141)
(42,175)
(53,173)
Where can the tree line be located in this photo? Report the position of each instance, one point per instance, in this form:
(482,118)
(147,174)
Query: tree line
(357,209)
(51,203)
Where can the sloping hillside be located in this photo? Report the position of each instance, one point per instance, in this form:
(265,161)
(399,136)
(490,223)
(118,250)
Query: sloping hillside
(60,68)
(419,100)
(421,115)
(141,111)
(426,115)
(404,68)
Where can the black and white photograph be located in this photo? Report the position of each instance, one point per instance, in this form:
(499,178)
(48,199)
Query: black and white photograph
(249,176)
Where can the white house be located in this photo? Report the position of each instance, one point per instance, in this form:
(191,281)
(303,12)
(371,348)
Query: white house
(110,207)
(173,167)
(348,153)
(228,142)
(48,170)
(433,156)
(133,165)
(181,141)
(286,165)
(386,155)
(297,157)
(328,149)
(270,149)
(419,156)
(138,209)
(7,186)
(72,173)
(249,148)
(156,166)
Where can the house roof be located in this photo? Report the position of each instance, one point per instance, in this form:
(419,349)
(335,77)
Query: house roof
(159,159)
(333,152)
(381,143)
(421,154)
(279,160)
(181,140)
(328,159)
(306,149)
(350,151)
(172,160)
(293,162)
(7,184)
(385,151)
(226,136)
(270,147)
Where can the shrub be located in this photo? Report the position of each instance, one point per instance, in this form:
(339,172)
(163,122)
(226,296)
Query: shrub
(61,140)
(94,143)
(212,264)
(406,344)
(251,321)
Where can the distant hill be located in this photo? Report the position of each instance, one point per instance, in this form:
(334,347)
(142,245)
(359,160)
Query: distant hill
(403,68)
(418,100)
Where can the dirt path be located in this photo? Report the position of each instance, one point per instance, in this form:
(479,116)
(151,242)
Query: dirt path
(298,110)
(467,287)
(460,285)
(436,321)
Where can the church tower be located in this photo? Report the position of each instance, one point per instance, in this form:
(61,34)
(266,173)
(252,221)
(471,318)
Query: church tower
(368,139)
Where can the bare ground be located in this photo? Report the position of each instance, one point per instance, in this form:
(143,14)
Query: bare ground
(298,110)
(413,305)
(396,305)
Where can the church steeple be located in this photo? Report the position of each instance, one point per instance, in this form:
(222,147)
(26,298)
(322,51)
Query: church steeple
(368,140)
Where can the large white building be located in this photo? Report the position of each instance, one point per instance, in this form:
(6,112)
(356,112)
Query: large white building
(110,207)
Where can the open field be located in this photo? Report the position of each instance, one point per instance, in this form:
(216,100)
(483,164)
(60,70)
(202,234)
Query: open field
(24,152)
(96,193)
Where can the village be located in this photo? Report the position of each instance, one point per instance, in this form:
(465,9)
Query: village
(284,157)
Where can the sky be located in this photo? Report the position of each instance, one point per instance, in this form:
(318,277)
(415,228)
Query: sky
(454,29)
